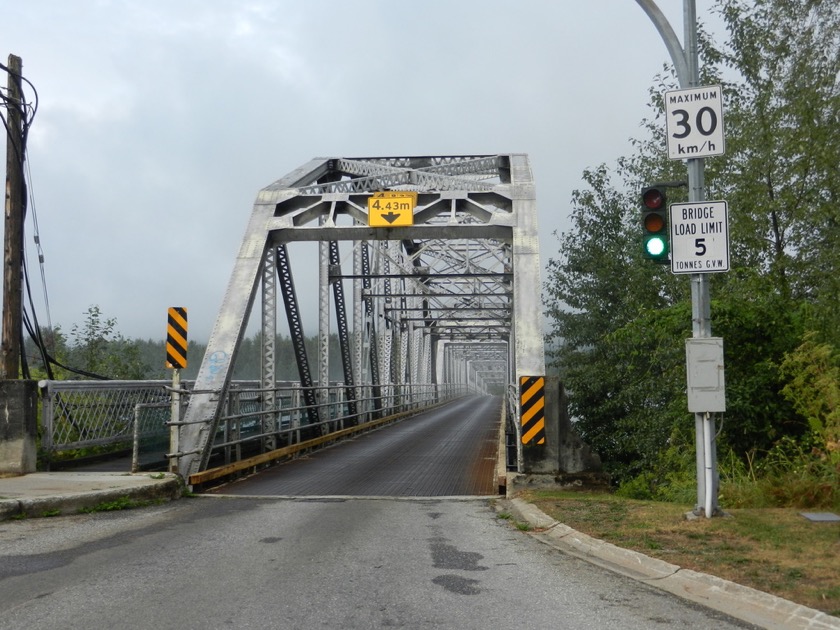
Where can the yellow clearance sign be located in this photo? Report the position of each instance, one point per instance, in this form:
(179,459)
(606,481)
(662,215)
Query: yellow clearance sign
(391,208)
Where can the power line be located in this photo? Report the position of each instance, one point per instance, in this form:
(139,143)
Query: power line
(26,111)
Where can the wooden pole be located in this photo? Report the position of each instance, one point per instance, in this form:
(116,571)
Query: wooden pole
(13,234)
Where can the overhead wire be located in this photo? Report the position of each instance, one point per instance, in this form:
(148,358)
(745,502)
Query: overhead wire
(33,328)
(37,239)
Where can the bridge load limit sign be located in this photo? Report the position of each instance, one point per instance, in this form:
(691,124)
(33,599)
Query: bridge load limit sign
(699,237)
(694,123)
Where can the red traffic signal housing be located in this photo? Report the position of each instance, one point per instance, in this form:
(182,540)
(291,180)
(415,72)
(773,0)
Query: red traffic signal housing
(653,198)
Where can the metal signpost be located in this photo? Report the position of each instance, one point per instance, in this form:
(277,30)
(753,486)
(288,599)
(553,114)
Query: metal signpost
(176,359)
(694,128)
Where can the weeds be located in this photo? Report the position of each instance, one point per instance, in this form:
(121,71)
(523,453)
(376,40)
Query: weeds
(122,503)
(794,473)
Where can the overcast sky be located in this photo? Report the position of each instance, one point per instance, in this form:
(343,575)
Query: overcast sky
(160,120)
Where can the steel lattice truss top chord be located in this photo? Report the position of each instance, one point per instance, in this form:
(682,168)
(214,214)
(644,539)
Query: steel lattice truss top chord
(461,285)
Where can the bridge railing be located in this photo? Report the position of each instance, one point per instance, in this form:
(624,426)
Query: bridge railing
(85,416)
(248,425)
(514,426)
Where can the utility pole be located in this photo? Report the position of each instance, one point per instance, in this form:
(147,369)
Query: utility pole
(18,397)
(13,235)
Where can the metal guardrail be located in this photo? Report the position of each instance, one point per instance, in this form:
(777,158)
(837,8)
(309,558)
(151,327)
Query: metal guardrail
(246,422)
(121,414)
(513,418)
(83,414)
(294,448)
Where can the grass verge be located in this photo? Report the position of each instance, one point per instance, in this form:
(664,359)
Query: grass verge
(775,550)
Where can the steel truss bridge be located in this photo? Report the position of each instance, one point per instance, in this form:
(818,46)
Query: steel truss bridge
(423,311)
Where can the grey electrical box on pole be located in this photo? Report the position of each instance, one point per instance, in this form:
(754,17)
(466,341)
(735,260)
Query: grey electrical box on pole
(705,375)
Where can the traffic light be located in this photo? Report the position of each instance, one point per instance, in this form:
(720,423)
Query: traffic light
(655,224)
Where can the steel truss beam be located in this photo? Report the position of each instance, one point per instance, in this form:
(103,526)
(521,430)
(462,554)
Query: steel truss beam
(287,289)
(370,320)
(343,335)
(269,359)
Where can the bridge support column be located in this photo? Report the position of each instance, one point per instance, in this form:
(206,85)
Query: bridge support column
(18,427)
(564,454)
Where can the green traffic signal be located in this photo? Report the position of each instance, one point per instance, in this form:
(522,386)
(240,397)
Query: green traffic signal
(656,247)
(655,224)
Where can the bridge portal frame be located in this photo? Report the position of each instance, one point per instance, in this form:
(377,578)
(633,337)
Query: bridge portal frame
(486,199)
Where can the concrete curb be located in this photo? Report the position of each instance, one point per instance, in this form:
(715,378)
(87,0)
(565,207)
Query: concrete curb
(70,500)
(740,602)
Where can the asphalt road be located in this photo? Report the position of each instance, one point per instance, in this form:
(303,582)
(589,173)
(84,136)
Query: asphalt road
(393,546)
(449,451)
(222,562)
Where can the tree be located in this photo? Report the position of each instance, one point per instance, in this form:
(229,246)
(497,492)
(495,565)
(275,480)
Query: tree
(813,387)
(55,346)
(98,349)
(618,322)
(783,147)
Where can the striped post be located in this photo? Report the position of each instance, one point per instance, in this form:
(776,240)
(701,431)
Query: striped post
(532,407)
(176,338)
(176,357)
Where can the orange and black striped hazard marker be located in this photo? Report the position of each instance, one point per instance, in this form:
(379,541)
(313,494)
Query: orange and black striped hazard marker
(532,405)
(176,338)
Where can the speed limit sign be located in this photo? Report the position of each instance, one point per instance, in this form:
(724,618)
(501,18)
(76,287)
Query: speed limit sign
(694,123)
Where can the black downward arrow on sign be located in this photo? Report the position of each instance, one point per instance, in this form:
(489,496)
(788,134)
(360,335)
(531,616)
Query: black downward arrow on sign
(391,217)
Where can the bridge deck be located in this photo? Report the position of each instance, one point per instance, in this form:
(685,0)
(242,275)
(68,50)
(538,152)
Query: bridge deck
(450,451)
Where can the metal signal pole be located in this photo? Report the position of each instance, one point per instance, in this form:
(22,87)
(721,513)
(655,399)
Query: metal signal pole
(686,63)
(13,234)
